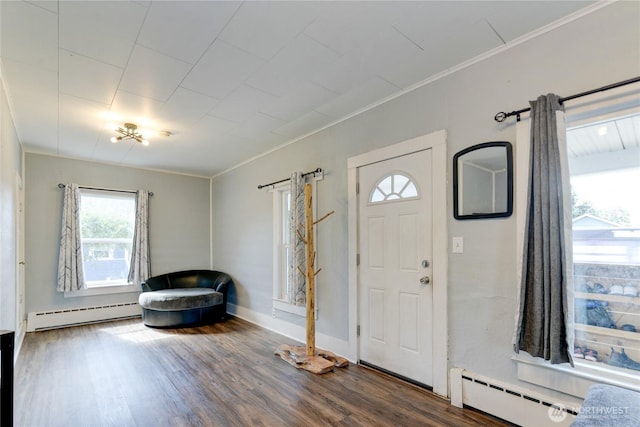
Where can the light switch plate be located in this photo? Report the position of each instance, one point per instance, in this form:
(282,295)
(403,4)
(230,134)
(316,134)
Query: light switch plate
(458,245)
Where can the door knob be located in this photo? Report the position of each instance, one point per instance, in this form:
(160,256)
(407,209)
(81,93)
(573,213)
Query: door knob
(425,280)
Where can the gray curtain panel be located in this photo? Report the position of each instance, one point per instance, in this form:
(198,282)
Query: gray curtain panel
(70,270)
(546,275)
(297,291)
(140,267)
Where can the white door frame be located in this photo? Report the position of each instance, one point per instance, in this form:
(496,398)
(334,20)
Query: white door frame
(435,141)
(21,315)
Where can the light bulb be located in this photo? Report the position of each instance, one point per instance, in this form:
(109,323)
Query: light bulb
(145,142)
(114,139)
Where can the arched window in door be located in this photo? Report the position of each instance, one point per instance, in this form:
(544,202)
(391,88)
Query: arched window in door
(394,187)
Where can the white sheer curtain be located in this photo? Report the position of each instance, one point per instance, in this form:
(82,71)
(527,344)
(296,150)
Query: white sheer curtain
(296,292)
(70,270)
(140,268)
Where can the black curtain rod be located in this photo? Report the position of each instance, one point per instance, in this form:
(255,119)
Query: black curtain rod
(502,116)
(289,179)
(104,189)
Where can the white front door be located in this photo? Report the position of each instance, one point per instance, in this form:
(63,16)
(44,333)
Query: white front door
(395,247)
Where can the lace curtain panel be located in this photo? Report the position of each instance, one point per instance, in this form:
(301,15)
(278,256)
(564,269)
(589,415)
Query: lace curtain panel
(140,268)
(296,291)
(70,267)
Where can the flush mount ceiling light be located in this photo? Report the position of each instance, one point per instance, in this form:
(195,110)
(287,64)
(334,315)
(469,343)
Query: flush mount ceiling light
(130,131)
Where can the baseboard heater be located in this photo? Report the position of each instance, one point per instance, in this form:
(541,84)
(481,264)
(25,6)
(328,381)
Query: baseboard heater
(513,404)
(77,316)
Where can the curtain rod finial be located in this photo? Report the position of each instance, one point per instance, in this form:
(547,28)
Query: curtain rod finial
(500,117)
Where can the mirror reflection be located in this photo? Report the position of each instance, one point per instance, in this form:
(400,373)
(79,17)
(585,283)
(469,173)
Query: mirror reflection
(483,181)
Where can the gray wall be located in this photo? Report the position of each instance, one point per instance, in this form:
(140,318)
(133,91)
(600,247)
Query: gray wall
(178,221)
(595,50)
(10,171)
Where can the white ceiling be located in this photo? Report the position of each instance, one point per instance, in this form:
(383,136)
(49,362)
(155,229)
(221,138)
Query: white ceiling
(231,80)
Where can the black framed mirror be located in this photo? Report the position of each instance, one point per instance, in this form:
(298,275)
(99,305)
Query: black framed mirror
(483,181)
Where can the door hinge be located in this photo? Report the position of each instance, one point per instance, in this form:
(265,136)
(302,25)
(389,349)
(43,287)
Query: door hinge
(357,260)
(358,330)
(357,188)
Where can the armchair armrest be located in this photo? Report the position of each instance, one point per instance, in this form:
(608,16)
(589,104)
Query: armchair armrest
(155,283)
(222,287)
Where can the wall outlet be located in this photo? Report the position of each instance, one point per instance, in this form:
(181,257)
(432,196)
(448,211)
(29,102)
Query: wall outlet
(458,245)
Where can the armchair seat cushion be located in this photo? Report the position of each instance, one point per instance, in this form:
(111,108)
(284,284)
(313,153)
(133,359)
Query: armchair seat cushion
(180,299)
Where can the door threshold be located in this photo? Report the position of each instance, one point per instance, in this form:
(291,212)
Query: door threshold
(395,375)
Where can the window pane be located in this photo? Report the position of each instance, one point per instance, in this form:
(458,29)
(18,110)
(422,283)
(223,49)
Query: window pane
(606,243)
(106,221)
(377,196)
(285,272)
(399,182)
(286,233)
(385,185)
(286,217)
(410,191)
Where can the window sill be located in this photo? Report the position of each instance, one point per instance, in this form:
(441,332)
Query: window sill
(103,290)
(568,380)
(281,305)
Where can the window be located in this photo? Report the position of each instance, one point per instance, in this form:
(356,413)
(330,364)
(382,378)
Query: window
(281,251)
(396,186)
(107,222)
(604,163)
(604,167)
(282,205)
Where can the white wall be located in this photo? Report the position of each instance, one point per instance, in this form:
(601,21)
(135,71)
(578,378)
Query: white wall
(593,51)
(178,222)
(10,168)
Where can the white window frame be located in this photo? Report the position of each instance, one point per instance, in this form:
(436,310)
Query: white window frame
(279,260)
(573,381)
(106,288)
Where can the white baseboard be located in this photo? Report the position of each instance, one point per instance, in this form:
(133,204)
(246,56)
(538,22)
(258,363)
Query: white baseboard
(289,330)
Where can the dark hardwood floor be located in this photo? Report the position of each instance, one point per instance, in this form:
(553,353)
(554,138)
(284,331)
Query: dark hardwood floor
(125,374)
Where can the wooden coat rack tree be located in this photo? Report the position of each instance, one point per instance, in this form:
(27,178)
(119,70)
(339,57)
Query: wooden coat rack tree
(308,357)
